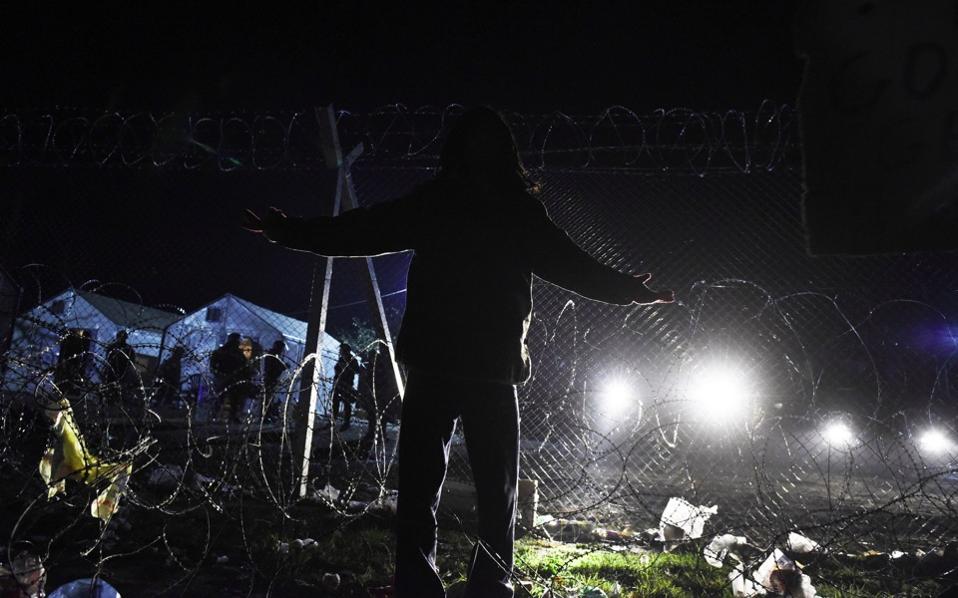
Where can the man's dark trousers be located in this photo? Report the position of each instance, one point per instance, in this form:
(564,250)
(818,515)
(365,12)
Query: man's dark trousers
(490,419)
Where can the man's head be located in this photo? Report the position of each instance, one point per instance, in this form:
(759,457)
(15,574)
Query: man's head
(233,339)
(278,347)
(246,346)
(480,148)
(121,336)
(345,350)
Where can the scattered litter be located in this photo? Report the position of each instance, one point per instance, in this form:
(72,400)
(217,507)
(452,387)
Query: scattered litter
(801,544)
(527,499)
(222,560)
(297,545)
(389,502)
(331,581)
(681,520)
(778,574)
(543,519)
(328,494)
(569,530)
(69,458)
(593,593)
(720,547)
(25,576)
(612,535)
(85,588)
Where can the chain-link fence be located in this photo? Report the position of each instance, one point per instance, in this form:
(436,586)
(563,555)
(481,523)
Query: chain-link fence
(792,393)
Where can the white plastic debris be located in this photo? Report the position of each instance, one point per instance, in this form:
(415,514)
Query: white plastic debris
(681,520)
(282,547)
(742,586)
(328,494)
(801,544)
(777,574)
(720,547)
(222,560)
(29,574)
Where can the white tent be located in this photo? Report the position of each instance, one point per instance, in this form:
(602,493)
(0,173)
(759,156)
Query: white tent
(205,329)
(35,342)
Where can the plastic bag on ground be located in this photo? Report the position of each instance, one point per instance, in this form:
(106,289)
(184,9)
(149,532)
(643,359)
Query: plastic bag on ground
(681,520)
(720,547)
(801,544)
(778,575)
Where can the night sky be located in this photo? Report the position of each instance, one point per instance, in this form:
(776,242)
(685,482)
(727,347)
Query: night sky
(155,228)
(523,56)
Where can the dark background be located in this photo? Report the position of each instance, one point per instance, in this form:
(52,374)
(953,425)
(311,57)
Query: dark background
(523,56)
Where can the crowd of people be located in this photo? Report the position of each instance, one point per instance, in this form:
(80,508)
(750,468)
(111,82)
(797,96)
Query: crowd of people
(245,381)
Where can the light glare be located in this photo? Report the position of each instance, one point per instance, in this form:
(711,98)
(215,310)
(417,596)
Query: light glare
(720,392)
(616,396)
(838,434)
(935,441)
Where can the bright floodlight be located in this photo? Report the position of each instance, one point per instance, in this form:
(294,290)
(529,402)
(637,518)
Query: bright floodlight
(838,434)
(720,393)
(616,397)
(935,441)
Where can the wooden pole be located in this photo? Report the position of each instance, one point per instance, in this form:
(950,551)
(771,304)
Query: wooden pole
(374,295)
(319,300)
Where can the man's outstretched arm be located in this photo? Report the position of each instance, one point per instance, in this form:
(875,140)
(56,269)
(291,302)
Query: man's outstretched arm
(560,261)
(384,228)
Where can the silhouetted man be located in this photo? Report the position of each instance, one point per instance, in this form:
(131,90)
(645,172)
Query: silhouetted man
(242,387)
(120,370)
(169,377)
(226,361)
(70,373)
(377,389)
(343,391)
(479,234)
(273,369)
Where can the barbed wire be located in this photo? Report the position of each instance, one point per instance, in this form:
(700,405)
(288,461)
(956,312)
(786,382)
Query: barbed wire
(834,380)
(677,139)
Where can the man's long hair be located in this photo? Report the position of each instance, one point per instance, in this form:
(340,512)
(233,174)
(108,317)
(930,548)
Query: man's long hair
(480,149)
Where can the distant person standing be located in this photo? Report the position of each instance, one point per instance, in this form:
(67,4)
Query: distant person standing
(344,392)
(243,389)
(274,366)
(225,364)
(377,390)
(70,373)
(479,234)
(169,378)
(119,372)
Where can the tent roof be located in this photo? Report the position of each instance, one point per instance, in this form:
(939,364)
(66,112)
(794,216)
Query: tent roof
(125,314)
(289,327)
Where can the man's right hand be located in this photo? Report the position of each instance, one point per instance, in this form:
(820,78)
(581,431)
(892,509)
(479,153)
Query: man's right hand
(645,296)
(270,226)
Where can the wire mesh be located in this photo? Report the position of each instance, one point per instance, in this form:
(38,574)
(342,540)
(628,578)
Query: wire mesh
(793,393)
